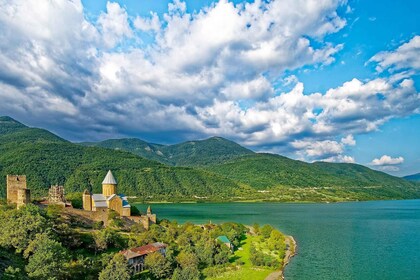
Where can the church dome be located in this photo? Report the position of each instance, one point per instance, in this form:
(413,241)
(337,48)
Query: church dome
(109,179)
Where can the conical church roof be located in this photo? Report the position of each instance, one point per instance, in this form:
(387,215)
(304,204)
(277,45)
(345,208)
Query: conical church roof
(109,179)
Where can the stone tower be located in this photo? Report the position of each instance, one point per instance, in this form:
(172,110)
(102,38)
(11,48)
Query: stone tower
(150,215)
(87,200)
(23,197)
(109,184)
(56,195)
(14,183)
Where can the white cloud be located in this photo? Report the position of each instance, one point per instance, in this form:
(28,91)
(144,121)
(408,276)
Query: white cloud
(290,80)
(114,24)
(387,160)
(148,24)
(405,56)
(207,73)
(348,140)
(318,149)
(340,158)
(389,168)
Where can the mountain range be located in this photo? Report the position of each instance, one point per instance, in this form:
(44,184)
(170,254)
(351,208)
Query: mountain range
(414,177)
(211,169)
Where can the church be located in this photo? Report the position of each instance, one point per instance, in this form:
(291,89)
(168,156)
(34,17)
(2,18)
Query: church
(108,199)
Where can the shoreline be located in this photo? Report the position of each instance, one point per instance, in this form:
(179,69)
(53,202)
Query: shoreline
(264,201)
(290,253)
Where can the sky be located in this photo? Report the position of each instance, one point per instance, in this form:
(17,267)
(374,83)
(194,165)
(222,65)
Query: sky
(329,80)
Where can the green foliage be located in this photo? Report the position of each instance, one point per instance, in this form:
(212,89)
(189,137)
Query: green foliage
(47,159)
(19,227)
(187,259)
(117,269)
(14,273)
(12,265)
(98,225)
(47,258)
(107,237)
(76,199)
(214,150)
(157,264)
(188,273)
(191,249)
(266,231)
(54,210)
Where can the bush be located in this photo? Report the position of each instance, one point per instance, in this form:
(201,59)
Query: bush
(98,225)
(76,199)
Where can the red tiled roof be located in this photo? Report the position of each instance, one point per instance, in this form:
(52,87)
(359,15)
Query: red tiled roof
(143,250)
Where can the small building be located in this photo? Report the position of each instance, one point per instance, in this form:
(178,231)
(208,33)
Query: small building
(135,256)
(223,239)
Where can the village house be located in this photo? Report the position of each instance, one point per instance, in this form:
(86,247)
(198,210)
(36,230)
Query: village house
(135,256)
(223,239)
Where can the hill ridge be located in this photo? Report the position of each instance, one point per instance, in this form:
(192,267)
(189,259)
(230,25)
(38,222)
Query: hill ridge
(213,168)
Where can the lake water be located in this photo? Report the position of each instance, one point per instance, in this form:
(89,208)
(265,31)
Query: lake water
(356,240)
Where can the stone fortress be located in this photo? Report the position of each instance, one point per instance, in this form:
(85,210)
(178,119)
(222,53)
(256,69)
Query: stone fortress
(109,199)
(95,206)
(17,192)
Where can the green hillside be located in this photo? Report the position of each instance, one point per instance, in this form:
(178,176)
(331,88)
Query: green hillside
(413,178)
(215,169)
(132,145)
(267,171)
(47,159)
(204,152)
(214,150)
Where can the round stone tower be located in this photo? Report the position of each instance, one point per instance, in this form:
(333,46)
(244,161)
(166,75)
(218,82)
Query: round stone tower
(109,184)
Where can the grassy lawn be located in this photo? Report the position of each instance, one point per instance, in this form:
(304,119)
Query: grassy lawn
(245,271)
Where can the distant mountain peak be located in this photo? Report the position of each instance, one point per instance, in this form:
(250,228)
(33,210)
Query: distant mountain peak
(413,177)
(10,125)
(7,119)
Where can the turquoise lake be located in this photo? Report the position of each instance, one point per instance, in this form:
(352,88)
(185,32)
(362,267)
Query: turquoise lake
(356,240)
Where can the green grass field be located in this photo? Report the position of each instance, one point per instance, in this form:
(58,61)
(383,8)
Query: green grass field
(245,271)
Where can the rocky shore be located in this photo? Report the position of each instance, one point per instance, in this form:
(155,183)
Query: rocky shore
(290,252)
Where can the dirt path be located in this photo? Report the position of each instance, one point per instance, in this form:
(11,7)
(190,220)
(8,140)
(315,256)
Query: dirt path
(291,251)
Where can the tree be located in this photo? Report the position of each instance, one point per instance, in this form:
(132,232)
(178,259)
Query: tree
(223,255)
(117,269)
(276,240)
(76,199)
(106,237)
(47,258)
(19,227)
(266,231)
(188,273)
(186,259)
(256,228)
(14,273)
(157,264)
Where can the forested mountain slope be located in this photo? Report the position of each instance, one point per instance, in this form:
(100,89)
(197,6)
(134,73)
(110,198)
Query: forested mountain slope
(47,159)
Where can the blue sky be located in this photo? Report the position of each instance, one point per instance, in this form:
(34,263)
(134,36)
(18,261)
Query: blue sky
(328,80)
